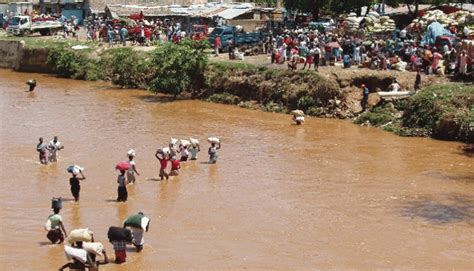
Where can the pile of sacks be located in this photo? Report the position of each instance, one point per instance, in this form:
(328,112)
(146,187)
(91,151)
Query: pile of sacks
(373,21)
(461,17)
(376,23)
(353,22)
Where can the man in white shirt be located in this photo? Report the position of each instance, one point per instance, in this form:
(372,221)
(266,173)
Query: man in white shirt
(54,147)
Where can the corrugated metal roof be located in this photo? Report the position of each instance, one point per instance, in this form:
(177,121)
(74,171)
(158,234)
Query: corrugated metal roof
(232,13)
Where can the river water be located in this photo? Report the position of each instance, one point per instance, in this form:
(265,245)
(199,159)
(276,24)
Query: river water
(325,195)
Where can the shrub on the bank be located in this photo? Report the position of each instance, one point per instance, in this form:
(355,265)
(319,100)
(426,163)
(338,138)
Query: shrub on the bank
(288,89)
(66,62)
(73,64)
(126,67)
(444,110)
(377,116)
(179,67)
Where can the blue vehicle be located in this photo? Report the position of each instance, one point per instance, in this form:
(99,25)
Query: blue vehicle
(239,38)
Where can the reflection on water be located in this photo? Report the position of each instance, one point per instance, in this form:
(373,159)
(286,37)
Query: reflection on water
(324,195)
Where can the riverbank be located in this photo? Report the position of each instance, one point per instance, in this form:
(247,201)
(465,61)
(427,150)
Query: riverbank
(332,92)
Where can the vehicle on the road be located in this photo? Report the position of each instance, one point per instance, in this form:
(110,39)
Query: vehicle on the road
(239,38)
(25,25)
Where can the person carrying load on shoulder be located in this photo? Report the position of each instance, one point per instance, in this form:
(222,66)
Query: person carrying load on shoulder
(298,117)
(95,249)
(163,158)
(194,148)
(119,237)
(138,223)
(133,169)
(74,181)
(76,252)
(215,145)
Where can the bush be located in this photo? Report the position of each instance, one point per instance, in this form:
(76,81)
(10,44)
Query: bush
(67,63)
(378,115)
(444,110)
(305,102)
(126,67)
(74,64)
(179,67)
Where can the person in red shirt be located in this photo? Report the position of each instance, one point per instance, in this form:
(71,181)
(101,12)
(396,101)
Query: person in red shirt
(163,164)
(175,166)
(217,45)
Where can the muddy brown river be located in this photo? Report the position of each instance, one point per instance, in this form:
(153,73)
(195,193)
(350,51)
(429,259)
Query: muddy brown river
(325,195)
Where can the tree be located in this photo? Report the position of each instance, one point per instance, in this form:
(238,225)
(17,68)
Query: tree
(179,67)
(340,7)
(416,4)
(313,6)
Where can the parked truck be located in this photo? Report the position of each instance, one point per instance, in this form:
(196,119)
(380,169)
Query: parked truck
(238,37)
(25,25)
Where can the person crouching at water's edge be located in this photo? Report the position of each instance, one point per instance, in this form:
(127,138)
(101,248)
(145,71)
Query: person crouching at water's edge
(56,228)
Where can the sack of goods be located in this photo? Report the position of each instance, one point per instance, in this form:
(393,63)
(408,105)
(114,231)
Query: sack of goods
(119,234)
(164,151)
(74,169)
(194,142)
(95,248)
(47,225)
(137,221)
(131,152)
(80,235)
(76,253)
(185,142)
(297,113)
(214,140)
(300,119)
(173,141)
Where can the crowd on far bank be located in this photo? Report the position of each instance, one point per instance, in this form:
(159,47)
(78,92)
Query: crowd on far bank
(303,48)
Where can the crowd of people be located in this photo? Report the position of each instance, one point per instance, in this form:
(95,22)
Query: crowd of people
(140,32)
(313,48)
(79,247)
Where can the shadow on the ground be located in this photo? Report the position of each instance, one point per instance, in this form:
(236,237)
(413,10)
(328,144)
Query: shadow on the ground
(447,208)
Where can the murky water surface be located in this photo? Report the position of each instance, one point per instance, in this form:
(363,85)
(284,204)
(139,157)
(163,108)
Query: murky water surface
(328,194)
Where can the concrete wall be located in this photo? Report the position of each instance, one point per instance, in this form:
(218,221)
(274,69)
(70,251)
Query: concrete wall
(34,60)
(10,53)
(14,55)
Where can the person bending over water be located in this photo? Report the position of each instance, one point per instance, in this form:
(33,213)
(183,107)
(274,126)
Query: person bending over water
(31,84)
(213,152)
(55,233)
